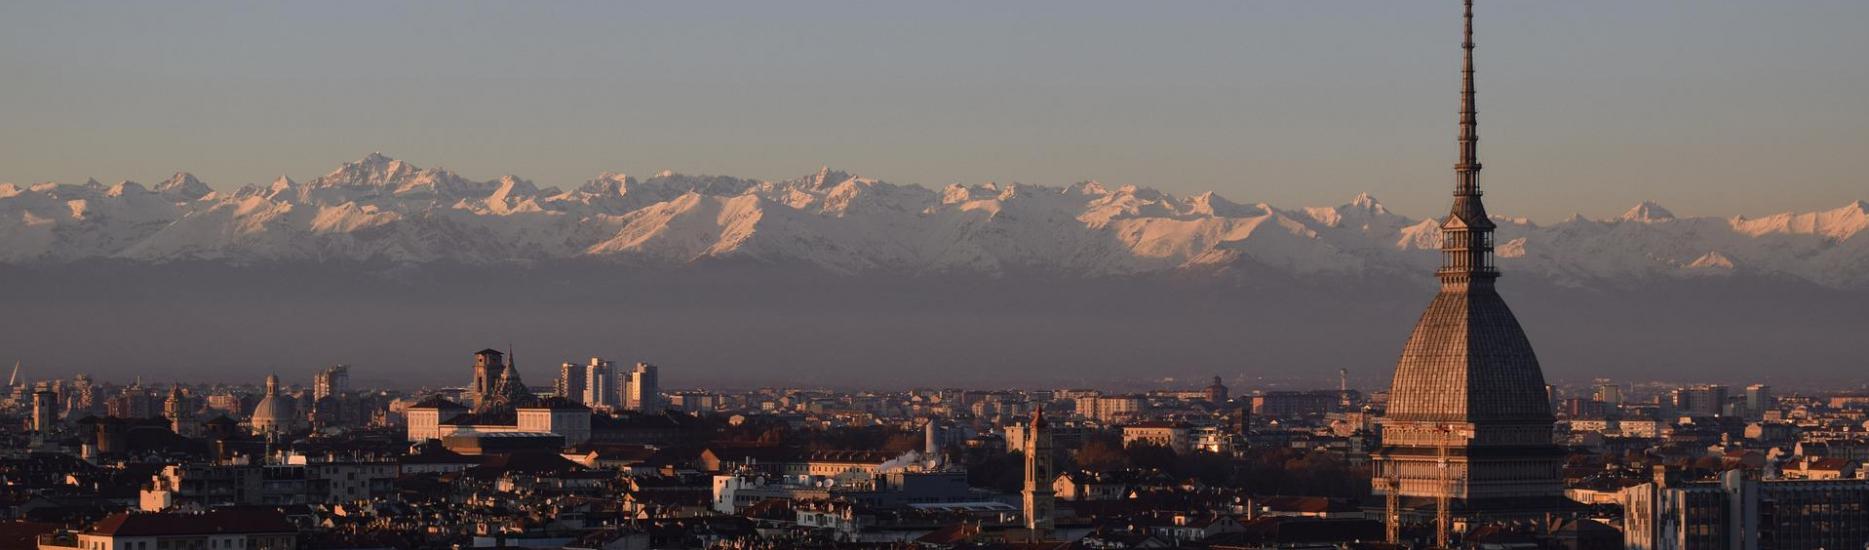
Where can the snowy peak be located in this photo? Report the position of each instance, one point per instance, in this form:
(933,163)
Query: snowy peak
(184,186)
(373,170)
(1713,260)
(1839,224)
(382,209)
(125,187)
(1367,203)
(1647,212)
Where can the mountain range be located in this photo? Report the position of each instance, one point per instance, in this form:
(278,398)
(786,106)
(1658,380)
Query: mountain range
(835,278)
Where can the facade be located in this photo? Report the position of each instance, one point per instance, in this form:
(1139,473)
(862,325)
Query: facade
(556,415)
(1175,436)
(331,382)
(570,383)
(1704,400)
(424,417)
(1296,404)
(44,411)
(642,394)
(600,390)
(1607,392)
(1469,418)
(1739,511)
(1112,408)
(438,418)
(1758,400)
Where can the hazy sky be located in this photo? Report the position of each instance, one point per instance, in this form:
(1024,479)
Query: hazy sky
(1708,106)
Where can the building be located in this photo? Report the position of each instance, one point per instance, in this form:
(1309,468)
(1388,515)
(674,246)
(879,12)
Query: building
(600,391)
(1176,436)
(1702,400)
(1607,392)
(331,382)
(179,408)
(425,416)
(1758,400)
(1738,511)
(556,415)
(1216,392)
(570,383)
(44,411)
(219,529)
(1068,435)
(1038,497)
(642,394)
(1469,425)
(496,382)
(1295,404)
(274,414)
(1112,408)
(436,417)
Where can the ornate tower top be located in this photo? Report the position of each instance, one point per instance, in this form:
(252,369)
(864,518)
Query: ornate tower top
(1467,232)
(1468,359)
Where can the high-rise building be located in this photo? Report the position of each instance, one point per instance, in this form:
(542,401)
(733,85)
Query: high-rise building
(180,411)
(570,384)
(1469,420)
(132,402)
(331,382)
(1607,392)
(1759,400)
(1740,511)
(1037,494)
(1702,400)
(44,411)
(600,391)
(642,394)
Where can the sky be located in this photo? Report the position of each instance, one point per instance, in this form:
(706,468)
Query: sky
(1710,107)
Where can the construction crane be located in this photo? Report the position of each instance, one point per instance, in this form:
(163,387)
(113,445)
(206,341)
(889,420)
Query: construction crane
(1443,516)
(1392,509)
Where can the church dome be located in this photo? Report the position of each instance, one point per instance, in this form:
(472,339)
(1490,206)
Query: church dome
(272,413)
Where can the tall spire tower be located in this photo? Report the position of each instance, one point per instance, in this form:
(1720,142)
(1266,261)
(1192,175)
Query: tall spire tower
(1468,423)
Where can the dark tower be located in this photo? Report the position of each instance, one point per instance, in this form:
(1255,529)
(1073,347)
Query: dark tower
(489,365)
(1468,423)
(1216,392)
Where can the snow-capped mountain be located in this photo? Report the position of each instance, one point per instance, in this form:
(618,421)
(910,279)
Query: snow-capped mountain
(380,209)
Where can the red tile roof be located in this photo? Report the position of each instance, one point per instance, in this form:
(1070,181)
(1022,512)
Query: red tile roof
(206,523)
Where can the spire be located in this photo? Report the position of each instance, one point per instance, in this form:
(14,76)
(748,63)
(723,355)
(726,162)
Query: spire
(1467,233)
(1469,166)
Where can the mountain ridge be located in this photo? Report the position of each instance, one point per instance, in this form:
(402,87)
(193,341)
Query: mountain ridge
(380,209)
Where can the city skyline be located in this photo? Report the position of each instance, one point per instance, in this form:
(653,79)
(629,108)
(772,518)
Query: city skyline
(836,361)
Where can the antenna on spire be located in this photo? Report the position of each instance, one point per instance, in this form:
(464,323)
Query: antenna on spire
(1469,166)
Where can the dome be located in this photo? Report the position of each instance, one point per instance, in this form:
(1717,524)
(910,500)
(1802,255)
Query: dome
(272,413)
